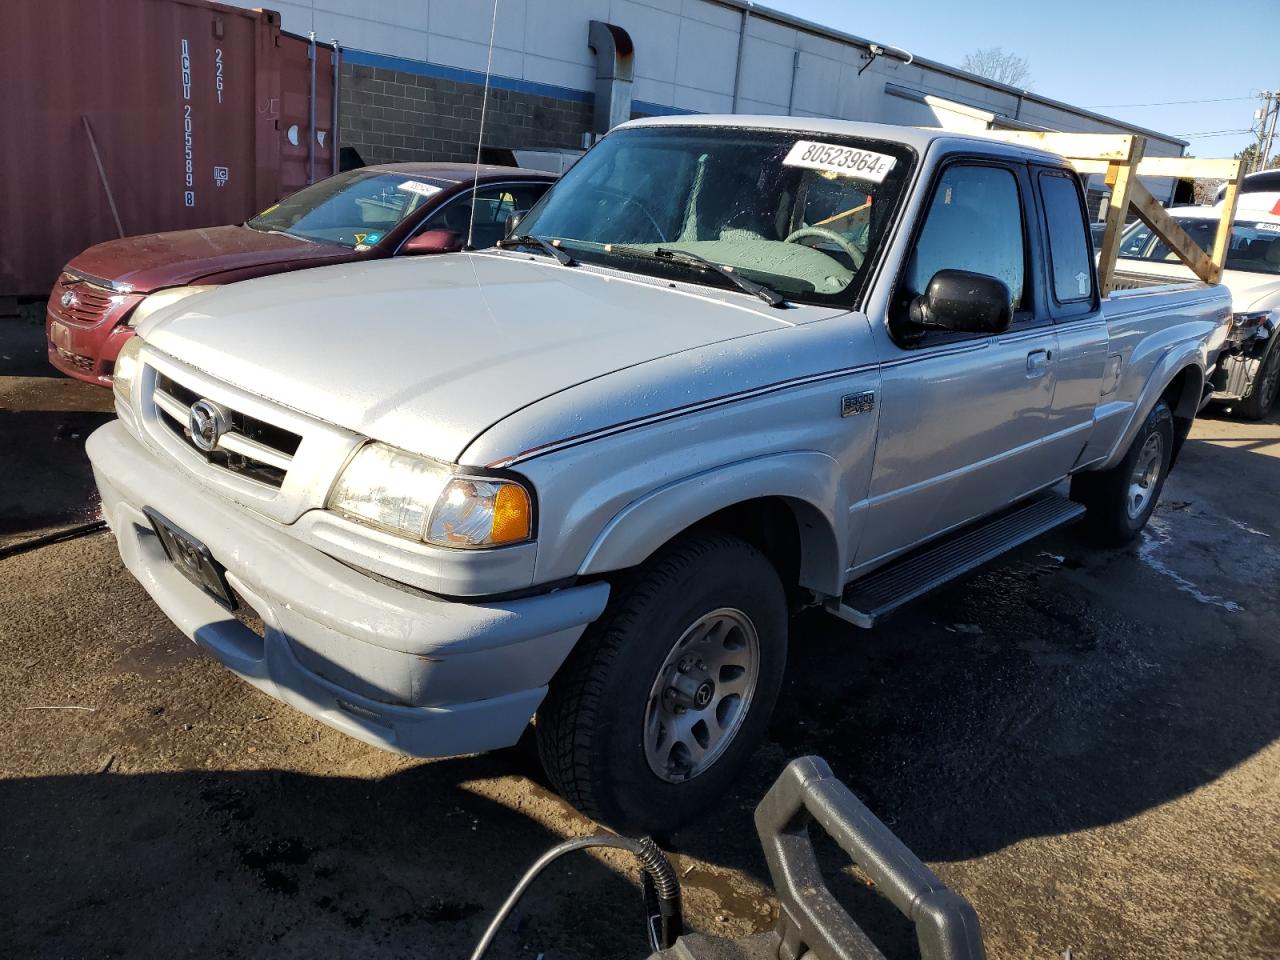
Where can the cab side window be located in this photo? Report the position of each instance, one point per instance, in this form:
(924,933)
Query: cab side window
(974,223)
(1070,248)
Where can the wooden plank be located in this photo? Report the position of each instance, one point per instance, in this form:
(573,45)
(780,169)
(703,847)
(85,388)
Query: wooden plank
(1179,167)
(1203,168)
(1121,177)
(1172,235)
(1085,146)
(1225,223)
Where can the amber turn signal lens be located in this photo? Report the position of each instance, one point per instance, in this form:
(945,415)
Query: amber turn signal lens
(512,515)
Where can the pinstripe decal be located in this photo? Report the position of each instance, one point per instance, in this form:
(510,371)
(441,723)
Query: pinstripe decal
(674,412)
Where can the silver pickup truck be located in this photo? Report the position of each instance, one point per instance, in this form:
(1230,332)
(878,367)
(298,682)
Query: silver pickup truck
(728,367)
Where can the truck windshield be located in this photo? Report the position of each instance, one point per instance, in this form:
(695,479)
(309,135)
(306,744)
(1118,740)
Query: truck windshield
(802,214)
(1255,245)
(352,209)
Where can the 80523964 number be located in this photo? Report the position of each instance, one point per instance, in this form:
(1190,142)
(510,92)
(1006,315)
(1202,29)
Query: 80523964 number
(834,158)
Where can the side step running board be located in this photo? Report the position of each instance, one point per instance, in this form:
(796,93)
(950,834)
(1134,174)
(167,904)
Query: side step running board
(867,600)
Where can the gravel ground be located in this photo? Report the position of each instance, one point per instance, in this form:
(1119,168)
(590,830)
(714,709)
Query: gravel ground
(1083,743)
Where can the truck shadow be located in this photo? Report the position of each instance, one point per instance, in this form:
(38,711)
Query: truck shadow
(274,863)
(46,481)
(1064,688)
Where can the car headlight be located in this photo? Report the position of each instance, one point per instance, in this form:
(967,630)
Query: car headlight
(424,499)
(162,299)
(126,370)
(1254,323)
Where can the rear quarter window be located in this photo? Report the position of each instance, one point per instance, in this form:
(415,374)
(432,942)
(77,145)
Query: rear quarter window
(1069,245)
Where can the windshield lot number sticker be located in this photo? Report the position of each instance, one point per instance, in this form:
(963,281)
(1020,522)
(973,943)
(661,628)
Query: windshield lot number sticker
(421,189)
(846,161)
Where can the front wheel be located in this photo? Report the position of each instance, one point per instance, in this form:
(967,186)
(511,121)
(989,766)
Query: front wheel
(661,704)
(1121,500)
(1265,387)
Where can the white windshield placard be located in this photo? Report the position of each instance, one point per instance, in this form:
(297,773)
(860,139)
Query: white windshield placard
(845,161)
(418,187)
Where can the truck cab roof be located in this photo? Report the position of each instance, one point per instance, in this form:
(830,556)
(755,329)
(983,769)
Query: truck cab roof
(920,139)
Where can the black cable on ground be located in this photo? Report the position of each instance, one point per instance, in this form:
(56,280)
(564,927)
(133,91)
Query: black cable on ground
(58,536)
(664,928)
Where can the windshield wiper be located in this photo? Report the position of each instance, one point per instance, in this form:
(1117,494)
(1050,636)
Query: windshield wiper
(767,294)
(528,240)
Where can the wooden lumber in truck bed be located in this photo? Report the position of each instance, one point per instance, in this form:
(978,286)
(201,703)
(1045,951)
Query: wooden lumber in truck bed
(1120,157)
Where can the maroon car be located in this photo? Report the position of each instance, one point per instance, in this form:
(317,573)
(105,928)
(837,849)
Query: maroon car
(394,209)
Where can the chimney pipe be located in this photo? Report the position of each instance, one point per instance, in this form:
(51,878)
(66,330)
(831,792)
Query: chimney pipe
(615,55)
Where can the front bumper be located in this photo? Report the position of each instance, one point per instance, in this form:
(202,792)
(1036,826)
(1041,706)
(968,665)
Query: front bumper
(87,353)
(1234,378)
(388,665)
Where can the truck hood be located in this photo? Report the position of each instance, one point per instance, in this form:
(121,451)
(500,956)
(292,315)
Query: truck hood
(152,261)
(426,354)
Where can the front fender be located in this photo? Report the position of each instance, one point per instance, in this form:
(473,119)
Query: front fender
(808,481)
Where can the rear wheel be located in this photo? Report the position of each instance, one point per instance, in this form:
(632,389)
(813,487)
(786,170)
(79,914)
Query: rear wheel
(661,704)
(1263,396)
(1121,500)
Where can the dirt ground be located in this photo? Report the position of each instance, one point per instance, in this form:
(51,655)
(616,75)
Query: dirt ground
(1083,743)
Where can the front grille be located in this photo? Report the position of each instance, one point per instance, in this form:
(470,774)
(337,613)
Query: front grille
(88,303)
(250,447)
(78,360)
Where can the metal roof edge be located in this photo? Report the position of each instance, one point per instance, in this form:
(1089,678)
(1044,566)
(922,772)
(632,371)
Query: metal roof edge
(831,33)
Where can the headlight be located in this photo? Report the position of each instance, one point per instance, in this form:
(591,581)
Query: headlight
(165,298)
(420,498)
(126,370)
(1257,323)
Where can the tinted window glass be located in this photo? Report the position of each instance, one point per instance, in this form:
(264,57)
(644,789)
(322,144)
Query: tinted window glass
(1254,245)
(493,205)
(974,223)
(355,209)
(1068,245)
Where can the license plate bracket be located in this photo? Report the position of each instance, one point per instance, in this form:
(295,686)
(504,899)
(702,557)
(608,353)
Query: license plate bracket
(192,558)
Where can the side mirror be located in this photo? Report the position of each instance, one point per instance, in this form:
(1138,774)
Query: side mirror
(432,241)
(963,302)
(513,221)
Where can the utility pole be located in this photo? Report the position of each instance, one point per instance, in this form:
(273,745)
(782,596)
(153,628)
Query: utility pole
(1266,118)
(1265,156)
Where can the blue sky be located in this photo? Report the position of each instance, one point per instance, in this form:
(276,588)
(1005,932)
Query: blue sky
(1194,50)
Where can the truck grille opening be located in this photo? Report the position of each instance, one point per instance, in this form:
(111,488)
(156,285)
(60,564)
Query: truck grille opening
(88,304)
(250,447)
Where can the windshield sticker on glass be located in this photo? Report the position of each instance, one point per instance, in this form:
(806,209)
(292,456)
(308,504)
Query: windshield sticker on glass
(845,161)
(421,189)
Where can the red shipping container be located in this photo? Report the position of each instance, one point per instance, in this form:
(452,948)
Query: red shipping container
(121,117)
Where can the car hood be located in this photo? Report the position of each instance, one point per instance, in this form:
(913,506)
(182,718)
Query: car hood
(1249,290)
(153,261)
(427,354)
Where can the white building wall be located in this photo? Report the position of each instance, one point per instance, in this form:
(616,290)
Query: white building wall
(686,55)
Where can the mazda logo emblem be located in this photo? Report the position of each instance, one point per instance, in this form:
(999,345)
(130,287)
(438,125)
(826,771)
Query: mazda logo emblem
(702,696)
(207,423)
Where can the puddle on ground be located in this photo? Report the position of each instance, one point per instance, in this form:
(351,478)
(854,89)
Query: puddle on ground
(1157,541)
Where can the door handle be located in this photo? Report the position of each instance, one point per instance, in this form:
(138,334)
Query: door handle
(1038,363)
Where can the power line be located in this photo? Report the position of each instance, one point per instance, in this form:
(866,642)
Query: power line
(1213,133)
(1166,103)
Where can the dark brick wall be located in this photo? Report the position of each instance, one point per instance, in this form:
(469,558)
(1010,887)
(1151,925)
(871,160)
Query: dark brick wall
(390,115)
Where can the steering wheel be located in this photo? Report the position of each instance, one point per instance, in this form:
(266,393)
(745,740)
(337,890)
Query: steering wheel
(632,201)
(823,233)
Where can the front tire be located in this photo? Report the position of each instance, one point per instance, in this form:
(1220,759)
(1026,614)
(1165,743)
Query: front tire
(1121,500)
(1263,396)
(662,702)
